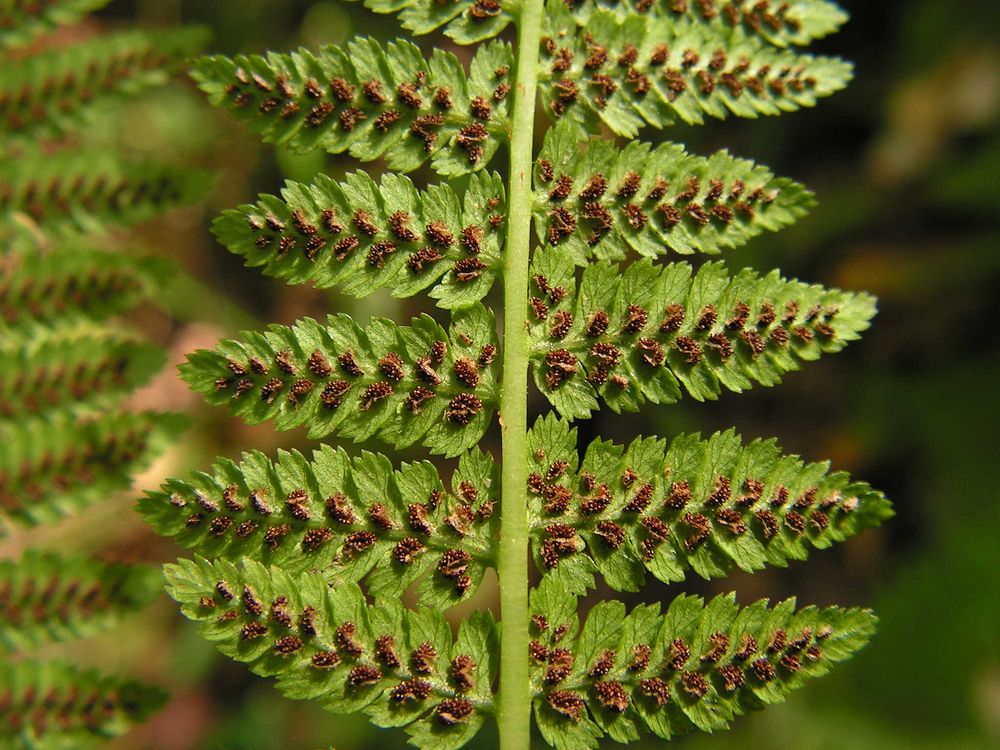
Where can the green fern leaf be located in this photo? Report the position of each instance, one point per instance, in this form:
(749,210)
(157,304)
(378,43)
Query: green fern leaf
(364,235)
(83,192)
(44,367)
(402,384)
(655,71)
(21,21)
(779,23)
(705,505)
(600,202)
(45,597)
(371,101)
(399,666)
(48,93)
(348,519)
(697,666)
(56,464)
(69,282)
(637,335)
(464,21)
(53,705)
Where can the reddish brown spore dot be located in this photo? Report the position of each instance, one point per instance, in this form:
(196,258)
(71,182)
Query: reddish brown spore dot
(732,676)
(363,676)
(561,365)
(612,534)
(597,324)
(640,499)
(452,711)
(635,319)
(656,689)
(407,549)
(358,542)
(423,658)
(461,673)
(349,364)
(603,666)
(315,539)
(373,394)
(253,630)
(612,695)
(385,651)
(287,645)
(325,659)
(567,703)
(346,641)
(694,684)
(466,372)
(763,670)
(640,657)
(410,691)
(463,408)
(468,269)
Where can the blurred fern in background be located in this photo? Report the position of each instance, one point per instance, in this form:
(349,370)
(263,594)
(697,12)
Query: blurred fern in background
(68,437)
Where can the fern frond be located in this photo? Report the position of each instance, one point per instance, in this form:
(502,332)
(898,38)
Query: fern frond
(56,464)
(69,283)
(371,101)
(464,21)
(23,20)
(45,597)
(599,202)
(364,235)
(85,192)
(44,367)
(401,384)
(696,666)
(399,666)
(706,505)
(48,93)
(654,71)
(53,704)
(636,335)
(777,22)
(348,519)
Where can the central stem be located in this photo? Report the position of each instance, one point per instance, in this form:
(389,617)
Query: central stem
(514,698)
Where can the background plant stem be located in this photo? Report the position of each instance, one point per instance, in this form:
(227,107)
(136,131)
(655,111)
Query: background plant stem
(514,698)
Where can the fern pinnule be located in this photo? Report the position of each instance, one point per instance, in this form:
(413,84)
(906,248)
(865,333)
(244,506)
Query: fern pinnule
(601,202)
(709,506)
(464,21)
(402,384)
(651,70)
(371,101)
(696,666)
(362,235)
(352,519)
(777,22)
(401,667)
(637,335)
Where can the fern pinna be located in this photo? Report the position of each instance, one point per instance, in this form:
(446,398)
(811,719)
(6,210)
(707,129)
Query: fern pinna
(290,550)
(68,362)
